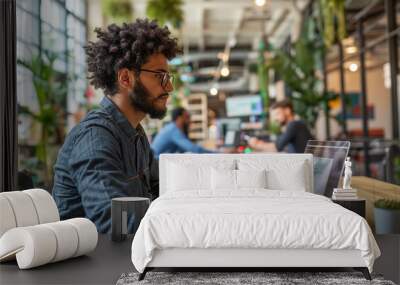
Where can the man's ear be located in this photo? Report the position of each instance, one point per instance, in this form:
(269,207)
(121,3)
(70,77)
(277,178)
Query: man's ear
(126,79)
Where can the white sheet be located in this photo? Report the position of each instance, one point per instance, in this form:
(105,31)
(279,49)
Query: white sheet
(253,218)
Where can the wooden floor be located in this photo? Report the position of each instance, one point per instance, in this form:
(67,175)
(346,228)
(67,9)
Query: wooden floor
(389,262)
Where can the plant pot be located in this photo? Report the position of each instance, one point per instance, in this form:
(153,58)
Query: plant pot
(387,221)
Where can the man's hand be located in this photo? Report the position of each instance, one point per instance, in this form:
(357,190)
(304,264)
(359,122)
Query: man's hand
(254,142)
(260,145)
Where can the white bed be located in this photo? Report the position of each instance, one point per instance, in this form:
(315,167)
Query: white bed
(203,220)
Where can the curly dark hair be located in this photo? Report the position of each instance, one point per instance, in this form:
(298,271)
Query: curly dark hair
(126,46)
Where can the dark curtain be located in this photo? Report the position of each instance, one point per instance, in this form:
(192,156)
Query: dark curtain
(8,96)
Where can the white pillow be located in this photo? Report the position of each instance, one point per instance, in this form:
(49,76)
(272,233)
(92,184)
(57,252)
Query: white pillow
(226,179)
(223,179)
(280,175)
(183,177)
(251,178)
(279,180)
(189,174)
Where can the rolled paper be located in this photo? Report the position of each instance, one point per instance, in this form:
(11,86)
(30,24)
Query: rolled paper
(7,218)
(87,235)
(67,239)
(46,208)
(23,208)
(33,246)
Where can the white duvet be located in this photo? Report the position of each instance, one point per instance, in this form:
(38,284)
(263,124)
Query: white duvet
(253,218)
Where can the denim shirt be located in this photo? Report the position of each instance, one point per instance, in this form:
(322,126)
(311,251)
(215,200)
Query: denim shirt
(103,157)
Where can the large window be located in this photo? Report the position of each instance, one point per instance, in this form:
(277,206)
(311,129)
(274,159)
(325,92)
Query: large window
(59,28)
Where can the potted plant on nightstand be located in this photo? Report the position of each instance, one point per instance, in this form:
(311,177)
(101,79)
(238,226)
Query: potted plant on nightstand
(387,216)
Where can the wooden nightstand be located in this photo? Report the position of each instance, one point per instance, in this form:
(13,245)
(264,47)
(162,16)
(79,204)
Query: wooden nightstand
(356,205)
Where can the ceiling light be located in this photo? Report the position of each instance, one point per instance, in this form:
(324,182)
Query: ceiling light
(260,3)
(225,71)
(353,67)
(351,49)
(213,91)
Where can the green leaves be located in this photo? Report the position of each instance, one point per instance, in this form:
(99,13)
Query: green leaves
(387,204)
(166,11)
(51,89)
(118,11)
(331,11)
(298,70)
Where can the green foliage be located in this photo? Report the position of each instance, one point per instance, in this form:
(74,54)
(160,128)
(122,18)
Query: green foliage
(117,10)
(397,168)
(166,11)
(177,84)
(51,91)
(274,128)
(298,70)
(331,11)
(387,204)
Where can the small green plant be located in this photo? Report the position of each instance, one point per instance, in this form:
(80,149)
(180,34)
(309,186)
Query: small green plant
(387,204)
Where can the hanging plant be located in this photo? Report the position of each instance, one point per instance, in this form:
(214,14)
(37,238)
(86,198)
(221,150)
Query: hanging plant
(166,11)
(118,10)
(298,70)
(331,11)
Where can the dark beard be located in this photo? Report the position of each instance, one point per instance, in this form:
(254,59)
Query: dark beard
(141,100)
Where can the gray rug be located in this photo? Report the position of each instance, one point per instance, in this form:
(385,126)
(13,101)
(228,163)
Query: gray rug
(228,278)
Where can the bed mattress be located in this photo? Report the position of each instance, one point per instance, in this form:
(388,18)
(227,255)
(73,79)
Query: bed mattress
(250,219)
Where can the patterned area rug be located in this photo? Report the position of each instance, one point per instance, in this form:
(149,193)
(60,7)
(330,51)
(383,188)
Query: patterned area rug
(229,278)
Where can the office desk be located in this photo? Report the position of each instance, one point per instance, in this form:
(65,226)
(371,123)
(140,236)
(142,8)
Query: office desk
(102,266)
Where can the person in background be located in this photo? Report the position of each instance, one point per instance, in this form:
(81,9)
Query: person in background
(107,155)
(173,138)
(294,136)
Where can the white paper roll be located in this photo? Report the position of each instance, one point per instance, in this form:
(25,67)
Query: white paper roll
(34,246)
(7,218)
(87,234)
(24,210)
(45,206)
(67,239)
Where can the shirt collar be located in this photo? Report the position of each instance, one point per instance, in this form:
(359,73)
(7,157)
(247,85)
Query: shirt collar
(119,118)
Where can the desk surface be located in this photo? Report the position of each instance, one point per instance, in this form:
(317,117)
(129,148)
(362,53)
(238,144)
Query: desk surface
(102,266)
(110,259)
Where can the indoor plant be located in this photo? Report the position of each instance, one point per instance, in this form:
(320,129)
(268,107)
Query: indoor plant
(299,70)
(118,11)
(387,216)
(51,88)
(166,11)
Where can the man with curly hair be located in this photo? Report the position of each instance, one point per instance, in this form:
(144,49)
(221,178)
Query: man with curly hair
(107,154)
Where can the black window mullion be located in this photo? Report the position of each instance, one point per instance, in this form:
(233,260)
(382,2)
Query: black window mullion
(8,97)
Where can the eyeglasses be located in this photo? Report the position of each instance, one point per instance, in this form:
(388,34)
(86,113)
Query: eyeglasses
(164,77)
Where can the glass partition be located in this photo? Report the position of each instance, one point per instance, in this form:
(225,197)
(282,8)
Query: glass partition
(329,157)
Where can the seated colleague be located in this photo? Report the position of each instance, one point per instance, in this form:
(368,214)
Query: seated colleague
(107,154)
(295,135)
(174,136)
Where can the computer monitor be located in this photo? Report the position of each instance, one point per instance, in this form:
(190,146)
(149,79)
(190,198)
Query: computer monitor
(239,106)
(227,124)
(232,138)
